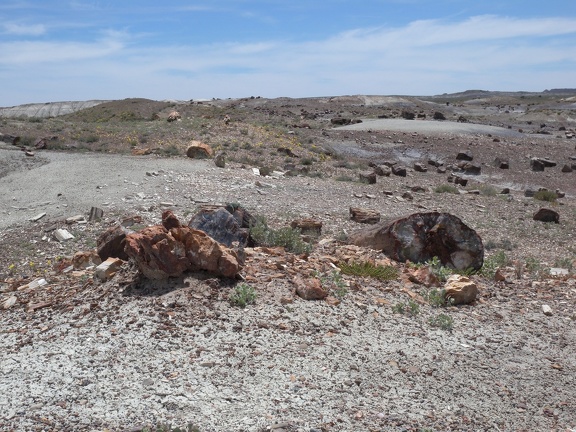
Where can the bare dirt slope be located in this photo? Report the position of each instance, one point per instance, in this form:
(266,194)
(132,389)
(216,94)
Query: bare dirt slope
(81,354)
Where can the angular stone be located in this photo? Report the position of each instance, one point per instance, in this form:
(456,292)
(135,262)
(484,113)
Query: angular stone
(546,310)
(367,177)
(37,217)
(308,226)
(382,170)
(80,219)
(460,290)
(423,276)
(399,171)
(546,215)
(420,167)
(421,236)
(464,155)
(108,268)
(95,214)
(536,165)
(9,302)
(220,159)
(363,215)
(111,243)
(62,235)
(567,168)
(82,260)
(310,288)
(470,168)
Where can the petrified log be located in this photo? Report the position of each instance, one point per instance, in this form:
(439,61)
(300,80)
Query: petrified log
(363,215)
(160,253)
(422,236)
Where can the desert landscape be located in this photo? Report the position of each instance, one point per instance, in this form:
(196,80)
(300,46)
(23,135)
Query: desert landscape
(312,318)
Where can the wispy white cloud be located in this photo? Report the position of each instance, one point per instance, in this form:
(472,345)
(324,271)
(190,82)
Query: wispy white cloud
(23,29)
(423,57)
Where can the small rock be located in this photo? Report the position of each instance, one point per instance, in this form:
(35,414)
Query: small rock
(220,159)
(62,235)
(546,215)
(310,288)
(9,302)
(363,215)
(108,268)
(37,217)
(95,214)
(546,310)
(464,155)
(367,177)
(460,290)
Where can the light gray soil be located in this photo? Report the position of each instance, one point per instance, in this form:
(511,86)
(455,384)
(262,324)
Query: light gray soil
(427,126)
(119,355)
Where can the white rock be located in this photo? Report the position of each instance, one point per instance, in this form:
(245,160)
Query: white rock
(37,217)
(9,302)
(547,310)
(62,235)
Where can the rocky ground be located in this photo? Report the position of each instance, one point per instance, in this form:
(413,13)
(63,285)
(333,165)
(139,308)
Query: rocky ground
(129,353)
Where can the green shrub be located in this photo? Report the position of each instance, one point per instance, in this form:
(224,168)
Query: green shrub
(446,188)
(287,237)
(371,270)
(242,295)
(546,195)
(493,263)
(442,321)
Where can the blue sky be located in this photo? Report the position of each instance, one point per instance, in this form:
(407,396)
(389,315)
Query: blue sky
(55,50)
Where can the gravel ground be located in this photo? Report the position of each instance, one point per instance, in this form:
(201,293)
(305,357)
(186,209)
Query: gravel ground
(129,352)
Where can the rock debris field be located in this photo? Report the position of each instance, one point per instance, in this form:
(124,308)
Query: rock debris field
(84,351)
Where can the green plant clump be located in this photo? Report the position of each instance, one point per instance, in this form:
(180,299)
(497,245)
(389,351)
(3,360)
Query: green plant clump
(287,237)
(371,270)
(442,321)
(446,188)
(242,295)
(546,195)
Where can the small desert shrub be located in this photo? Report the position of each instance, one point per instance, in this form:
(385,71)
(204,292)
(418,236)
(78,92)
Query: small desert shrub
(567,263)
(442,321)
(371,270)
(487,190)
(344,178)
(334,282)
(170,150)
(446,188)
(435,297)
(546,195)
(287,237)
(411,307)
(493,263)
(242,295)
(436,267)
(90,138)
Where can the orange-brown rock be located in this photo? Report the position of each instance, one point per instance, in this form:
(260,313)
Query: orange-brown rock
(460,290)
(173,116)
(161,253)
(199,150)
(363,215)
(309,288)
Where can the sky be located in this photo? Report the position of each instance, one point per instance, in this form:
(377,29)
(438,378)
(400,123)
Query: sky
(60,50)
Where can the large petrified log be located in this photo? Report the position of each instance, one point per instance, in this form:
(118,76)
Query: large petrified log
(422,236)
(168,250)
